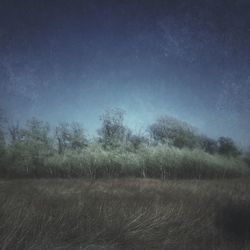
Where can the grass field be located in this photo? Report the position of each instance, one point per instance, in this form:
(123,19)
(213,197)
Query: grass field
(40,214)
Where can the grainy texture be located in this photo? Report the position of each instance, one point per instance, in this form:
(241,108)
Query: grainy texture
(124,214)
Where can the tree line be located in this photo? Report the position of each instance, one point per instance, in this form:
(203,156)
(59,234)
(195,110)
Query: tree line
(168,148)
(37,135)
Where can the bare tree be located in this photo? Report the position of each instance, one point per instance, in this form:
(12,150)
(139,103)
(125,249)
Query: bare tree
(70,136)
(36,131)
(15,132)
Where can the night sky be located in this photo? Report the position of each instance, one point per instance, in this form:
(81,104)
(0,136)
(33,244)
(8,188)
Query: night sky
(71,60)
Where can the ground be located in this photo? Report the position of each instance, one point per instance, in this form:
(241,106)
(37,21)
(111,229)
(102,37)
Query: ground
(39,214)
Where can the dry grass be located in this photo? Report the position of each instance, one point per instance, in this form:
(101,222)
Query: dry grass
(124,214)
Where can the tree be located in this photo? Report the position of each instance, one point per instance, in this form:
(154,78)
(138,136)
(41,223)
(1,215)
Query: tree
(207,144)
(113,132)
(30,146)
(70,136)
(2,125)
(247,156)
(226,146)
(2,144)
(15,133)
(36,131)
(173,132)
(137,140)
(35,136)
(2,140)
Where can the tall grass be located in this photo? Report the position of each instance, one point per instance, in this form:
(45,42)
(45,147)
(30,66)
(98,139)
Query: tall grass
(147,161)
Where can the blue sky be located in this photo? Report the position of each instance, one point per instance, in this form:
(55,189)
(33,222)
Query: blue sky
(72,60)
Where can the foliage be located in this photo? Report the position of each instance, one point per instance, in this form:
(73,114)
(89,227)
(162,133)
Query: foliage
(113,132)
(173,132)
(135,141)
(33,150)
(2,124)
(29,147)
(246,156)
(153,162)
(15,133)
(207,144)
(2,142)
(226,146)
(36,132)
(70,136)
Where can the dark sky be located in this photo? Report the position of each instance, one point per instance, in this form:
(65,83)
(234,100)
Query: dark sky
(70,60)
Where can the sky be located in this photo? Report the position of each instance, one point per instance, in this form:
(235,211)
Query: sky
(72,60)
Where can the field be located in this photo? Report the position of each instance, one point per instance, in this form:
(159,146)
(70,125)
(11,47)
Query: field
(125,213)
(171,188)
